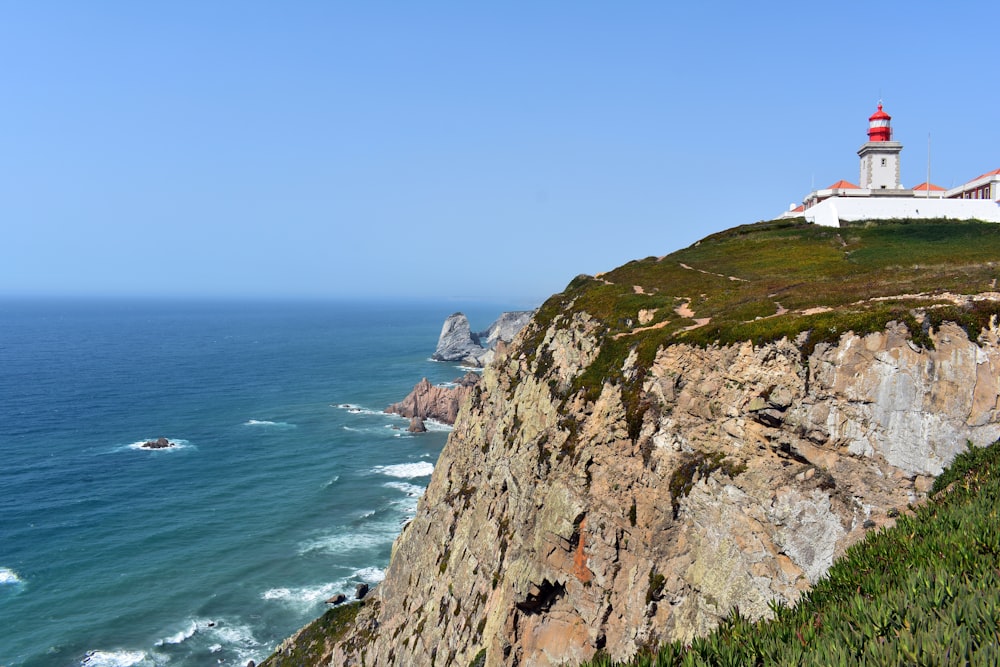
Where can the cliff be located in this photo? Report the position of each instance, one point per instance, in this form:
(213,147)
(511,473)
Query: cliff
(685,435)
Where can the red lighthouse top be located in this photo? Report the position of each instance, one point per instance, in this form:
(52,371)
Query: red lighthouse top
(878,126)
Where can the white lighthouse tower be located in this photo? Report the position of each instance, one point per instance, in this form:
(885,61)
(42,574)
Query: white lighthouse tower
(880,155)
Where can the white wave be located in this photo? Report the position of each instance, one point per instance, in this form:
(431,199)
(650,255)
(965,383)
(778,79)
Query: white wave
(406,470)
(370,575)
(435,425)
(333,480)
(175,445)
(341,542)
(345,540)
(411,490)
(358,409)
(9,576)
(181,635)
(116,659)
(237,638)
(266,422)
(306,596)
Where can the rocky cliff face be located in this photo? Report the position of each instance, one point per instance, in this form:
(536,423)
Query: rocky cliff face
(559,523)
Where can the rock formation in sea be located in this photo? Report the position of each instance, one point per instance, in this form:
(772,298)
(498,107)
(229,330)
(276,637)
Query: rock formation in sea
(629,470)
(159,443)
(428,401)
(458,343)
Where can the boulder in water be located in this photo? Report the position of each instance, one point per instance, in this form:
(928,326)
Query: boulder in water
(159,443)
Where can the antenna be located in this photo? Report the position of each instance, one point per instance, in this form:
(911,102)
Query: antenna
(928,165)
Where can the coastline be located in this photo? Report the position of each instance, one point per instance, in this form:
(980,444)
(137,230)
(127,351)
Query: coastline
(267,486)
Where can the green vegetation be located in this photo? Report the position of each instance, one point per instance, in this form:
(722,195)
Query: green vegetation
(925,592)
(314,642)
(698,465)
(770,280)
(656,582)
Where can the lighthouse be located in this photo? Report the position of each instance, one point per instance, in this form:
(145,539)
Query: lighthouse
(881,197)
(880,155)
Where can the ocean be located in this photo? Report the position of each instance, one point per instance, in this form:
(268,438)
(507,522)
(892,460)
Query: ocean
(287,483)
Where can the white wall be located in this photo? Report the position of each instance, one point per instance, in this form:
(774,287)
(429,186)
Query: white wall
(829,213)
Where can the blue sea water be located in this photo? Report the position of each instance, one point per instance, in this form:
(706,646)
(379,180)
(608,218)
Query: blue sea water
(287,486)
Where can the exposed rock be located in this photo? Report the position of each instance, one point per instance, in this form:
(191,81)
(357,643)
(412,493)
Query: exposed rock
(556,525)
(508,325)
(458,343)
(339,598)
(416,425)
(360,591)
(159,443)
(427,401)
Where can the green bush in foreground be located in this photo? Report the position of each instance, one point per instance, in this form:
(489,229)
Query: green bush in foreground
(926,592)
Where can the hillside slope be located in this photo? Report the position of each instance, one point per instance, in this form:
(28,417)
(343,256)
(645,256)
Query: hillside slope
(684,435)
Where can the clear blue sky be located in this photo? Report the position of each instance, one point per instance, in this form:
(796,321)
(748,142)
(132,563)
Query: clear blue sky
(448,149)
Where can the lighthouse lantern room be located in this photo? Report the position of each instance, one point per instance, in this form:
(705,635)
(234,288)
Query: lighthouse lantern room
(880,155)
(878,126)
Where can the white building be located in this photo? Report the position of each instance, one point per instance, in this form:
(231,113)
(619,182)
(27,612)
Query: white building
(881,196)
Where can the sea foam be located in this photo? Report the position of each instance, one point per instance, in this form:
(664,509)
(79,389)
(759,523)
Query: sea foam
(181,635)
(371,575)
(267,422)
(358,409)
(9,577)
(237,638)
(411,490)
(116,659)
(306,597)
(406,470)
(345,542)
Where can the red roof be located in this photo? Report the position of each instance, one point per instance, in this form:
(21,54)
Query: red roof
(880,115)
(995,172)
(843,185)
(928,186)
(799,208)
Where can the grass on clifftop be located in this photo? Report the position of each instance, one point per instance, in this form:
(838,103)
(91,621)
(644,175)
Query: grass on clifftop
(926,592)
(769,280)
(776,271)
